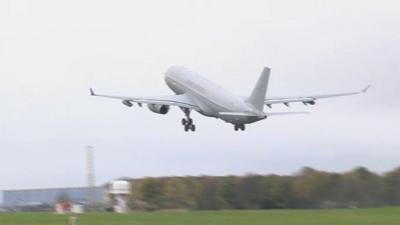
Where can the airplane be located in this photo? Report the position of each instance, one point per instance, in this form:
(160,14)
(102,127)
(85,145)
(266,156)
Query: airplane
(194,92)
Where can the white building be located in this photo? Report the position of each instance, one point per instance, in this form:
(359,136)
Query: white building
(119,191)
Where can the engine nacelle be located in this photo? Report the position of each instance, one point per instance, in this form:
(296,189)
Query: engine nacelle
(127,103)
(160,109)
(309,102)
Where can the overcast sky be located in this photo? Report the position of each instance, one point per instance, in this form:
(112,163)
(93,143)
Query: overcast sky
(52,51)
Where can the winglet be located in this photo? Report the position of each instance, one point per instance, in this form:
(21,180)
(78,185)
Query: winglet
(92,92)
(365,89)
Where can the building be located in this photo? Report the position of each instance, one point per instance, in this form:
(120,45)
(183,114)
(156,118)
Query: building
(119,192)
(13,198)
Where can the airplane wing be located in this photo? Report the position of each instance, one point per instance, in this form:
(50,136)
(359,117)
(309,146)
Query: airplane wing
(310,99)
(172,100)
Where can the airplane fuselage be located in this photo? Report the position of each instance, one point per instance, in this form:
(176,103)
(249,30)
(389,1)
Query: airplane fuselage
(212,100)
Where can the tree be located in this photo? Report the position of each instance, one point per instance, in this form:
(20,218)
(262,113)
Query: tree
(361,188)
(391,192)
(309,188)
(210,194)
(231,193)
(153,192)
(176,194)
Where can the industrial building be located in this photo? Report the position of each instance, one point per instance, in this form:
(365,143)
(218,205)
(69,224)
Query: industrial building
(15,198)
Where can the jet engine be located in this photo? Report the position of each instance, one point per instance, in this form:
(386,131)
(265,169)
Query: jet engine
(311,102)
(160,109)
(127,103)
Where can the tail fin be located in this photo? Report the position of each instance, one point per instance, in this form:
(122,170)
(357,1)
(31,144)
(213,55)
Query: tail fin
(257,97)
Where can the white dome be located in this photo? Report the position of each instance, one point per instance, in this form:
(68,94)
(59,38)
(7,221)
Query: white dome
(120,187)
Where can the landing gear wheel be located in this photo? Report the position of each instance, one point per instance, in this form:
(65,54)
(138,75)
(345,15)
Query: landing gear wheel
(239,127)
(187,128)
(190,121)
(193,127)
(184,121)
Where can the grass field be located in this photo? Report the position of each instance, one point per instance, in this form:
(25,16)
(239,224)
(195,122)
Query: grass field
(381,216)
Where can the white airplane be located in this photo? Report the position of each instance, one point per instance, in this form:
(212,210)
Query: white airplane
(193,92)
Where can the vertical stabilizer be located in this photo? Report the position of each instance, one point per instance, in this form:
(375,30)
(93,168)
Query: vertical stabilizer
(259,93)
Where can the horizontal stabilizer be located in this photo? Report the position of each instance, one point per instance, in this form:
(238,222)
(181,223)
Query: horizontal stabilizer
(238,114)
(235,114)
(285,113)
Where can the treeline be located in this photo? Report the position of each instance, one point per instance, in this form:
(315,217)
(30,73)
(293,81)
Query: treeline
(309,188)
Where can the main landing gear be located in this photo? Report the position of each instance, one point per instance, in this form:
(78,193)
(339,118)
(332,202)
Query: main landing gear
(188,125)
(188,122)
(239,127)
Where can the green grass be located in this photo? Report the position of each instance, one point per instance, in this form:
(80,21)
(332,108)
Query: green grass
(381,216)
